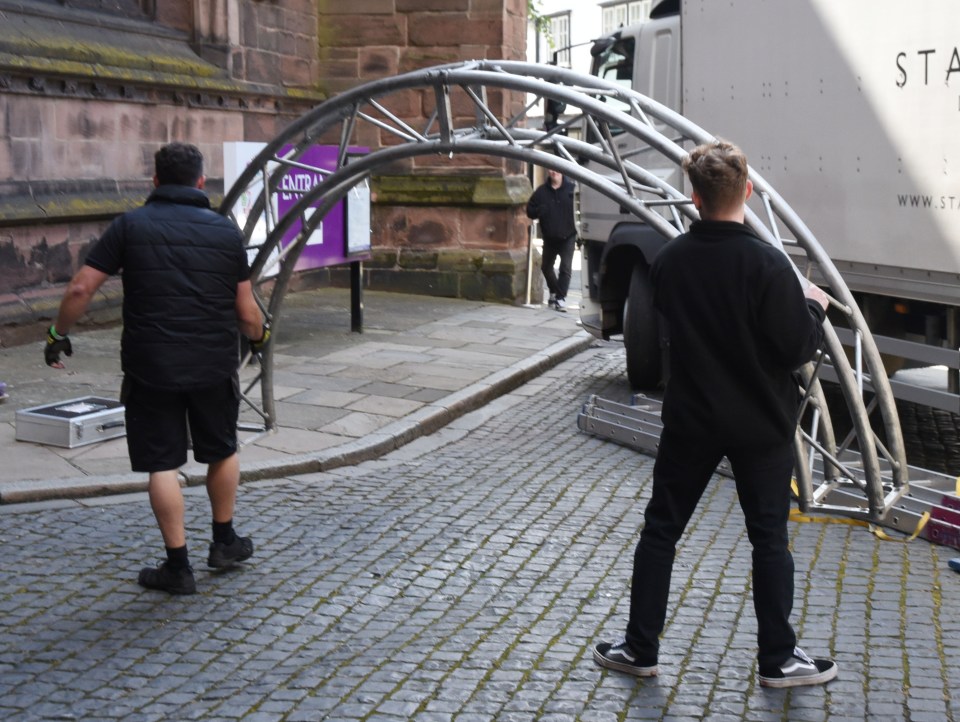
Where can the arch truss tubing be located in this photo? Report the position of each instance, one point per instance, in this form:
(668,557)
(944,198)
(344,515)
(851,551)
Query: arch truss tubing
(858,475)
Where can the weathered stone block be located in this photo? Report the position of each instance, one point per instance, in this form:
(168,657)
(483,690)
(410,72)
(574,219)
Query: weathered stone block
(358,31)
(341,74)
(431,283)
(268,15)
(419,6)
(295,71)
(307,47)
(383,62)
(287,44)
(504,190)
(26,118)
(175,15)
(414,58)
(483,228)
(382,258)
(262,67)
(480,164)
(451,189)
(439,230)
(483,287)
(461,261)
(418,260)
(503,263)
(268,40)
(366,7)
(456,29)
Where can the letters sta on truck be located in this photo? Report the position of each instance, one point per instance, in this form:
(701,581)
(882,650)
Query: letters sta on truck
(851,110)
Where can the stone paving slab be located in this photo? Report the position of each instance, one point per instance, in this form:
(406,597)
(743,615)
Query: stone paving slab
(418,358)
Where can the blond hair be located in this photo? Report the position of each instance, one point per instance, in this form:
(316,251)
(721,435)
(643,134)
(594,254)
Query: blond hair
(718,173)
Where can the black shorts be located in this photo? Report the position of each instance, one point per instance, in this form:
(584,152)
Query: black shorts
(157,424)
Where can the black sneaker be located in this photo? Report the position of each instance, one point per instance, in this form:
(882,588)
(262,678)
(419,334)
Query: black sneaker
(227,555)
(621,658)
(799,670)
(552,301)
(167,579)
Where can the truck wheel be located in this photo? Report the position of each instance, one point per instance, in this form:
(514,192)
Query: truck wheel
(641,336)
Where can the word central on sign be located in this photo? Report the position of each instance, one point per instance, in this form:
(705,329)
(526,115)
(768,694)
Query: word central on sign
(341,237)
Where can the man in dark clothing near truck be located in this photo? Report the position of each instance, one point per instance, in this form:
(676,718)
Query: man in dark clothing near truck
(739,326)
(186,293)
(552,205)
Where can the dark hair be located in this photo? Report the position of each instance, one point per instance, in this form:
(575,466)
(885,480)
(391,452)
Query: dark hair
(178,164)
(718,172)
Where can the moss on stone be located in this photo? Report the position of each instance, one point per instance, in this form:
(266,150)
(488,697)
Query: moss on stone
(382,258)
(164,75)
(499,288)
(412,260)
(15,211)
(54,48)
(450,190)
(462,261)
(429,283)
(509,190)
(498,263)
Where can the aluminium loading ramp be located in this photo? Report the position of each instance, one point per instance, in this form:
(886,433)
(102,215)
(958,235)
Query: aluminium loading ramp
(928,507)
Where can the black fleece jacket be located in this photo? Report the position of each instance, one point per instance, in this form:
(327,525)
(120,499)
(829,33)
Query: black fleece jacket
(739,326)
(553,207)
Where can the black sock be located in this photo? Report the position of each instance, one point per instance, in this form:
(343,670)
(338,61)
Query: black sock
(177,558)
(223,532)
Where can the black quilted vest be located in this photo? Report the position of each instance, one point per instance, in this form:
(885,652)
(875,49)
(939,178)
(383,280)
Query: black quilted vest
(181,263)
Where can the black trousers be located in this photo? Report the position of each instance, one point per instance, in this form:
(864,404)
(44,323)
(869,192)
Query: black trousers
(562,248)
(681,472)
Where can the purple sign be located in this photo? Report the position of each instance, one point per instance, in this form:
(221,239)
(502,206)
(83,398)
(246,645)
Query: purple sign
(327,245)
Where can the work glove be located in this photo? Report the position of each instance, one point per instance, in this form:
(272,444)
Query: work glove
(259,346)
(56,344)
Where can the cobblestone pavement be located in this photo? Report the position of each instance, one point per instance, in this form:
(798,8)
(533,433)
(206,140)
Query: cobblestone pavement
(463,577)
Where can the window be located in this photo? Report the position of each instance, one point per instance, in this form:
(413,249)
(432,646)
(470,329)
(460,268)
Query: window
(560,38)
(618,14)
(616,65)
(638,11)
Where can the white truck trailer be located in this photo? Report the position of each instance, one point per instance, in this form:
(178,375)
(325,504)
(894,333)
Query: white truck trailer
(851,110)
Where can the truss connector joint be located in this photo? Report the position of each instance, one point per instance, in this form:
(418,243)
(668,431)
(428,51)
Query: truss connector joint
(894,496)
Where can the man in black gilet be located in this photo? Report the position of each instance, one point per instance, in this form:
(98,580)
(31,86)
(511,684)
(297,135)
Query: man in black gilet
(186,295)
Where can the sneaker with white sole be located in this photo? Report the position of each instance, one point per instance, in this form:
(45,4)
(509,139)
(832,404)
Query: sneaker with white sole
(561,305)
(620,657)
(552,301)
(799,670)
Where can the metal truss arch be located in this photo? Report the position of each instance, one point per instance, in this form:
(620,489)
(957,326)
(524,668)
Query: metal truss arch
(460,120)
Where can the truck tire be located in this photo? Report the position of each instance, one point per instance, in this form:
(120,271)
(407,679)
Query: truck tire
(641,334)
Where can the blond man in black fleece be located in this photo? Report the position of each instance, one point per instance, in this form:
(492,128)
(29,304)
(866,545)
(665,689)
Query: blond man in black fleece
(740,324)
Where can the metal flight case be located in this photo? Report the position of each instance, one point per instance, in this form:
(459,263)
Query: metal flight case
(72,423)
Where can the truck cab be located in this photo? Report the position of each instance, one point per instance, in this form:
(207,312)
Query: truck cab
(618,248)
